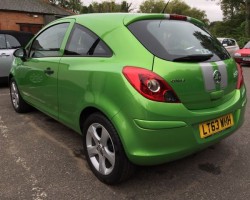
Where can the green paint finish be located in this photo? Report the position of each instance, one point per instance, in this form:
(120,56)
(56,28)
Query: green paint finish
(159,124)
(151,132)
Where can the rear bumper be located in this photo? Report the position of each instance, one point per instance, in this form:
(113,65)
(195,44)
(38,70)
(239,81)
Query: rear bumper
(150,142)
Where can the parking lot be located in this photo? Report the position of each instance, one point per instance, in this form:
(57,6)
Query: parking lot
(42,159)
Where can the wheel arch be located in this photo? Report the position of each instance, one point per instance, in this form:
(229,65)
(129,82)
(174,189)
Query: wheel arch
(86,112)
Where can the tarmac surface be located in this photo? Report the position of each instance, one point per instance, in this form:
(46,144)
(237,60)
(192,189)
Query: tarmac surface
(42,159)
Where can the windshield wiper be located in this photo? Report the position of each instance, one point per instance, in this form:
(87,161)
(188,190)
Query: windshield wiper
(194,58)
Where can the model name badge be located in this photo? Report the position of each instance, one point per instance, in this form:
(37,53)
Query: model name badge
(182,80)
(235,74)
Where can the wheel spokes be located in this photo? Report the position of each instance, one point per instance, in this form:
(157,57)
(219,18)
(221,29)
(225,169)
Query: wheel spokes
(14,95)
(100,148)
(110,156)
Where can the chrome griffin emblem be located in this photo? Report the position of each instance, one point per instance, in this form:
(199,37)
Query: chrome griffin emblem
(217,76)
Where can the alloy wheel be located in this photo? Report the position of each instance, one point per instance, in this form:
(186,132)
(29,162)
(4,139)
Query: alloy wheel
(100,148)
(14,95)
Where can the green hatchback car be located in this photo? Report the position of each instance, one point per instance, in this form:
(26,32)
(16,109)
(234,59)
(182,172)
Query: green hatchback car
(142,89)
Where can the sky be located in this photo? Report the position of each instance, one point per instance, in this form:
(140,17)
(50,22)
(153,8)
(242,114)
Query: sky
(212,10)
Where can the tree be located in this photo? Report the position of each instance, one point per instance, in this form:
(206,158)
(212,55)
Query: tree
(175,7)
(152,6)
(248,18)
(74,5)
(232,8)
(107,6)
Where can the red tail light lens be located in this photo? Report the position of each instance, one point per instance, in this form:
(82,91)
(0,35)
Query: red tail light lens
(150,85)
(240,81)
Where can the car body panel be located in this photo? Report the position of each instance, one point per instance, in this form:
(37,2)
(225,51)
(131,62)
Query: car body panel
(190,80)
(242,56)
(167,143)
(38,88)
(151,132)
(6,58)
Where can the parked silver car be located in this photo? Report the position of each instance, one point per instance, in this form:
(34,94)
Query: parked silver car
(9,42)
(230,44)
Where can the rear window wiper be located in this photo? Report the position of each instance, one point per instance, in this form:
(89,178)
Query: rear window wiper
(194,58)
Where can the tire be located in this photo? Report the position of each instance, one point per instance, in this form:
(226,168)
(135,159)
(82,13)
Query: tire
(19,105)
(104,151)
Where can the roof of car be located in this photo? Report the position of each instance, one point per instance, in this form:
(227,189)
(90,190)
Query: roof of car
(103,22)
(32,6)
(22,37)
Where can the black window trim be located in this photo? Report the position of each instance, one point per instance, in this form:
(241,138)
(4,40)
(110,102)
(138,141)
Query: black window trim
(109,50)
(29,47)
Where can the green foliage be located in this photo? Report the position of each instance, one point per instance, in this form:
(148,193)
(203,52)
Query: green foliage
(152,6)
(175,7)
(107,6)
(234,23)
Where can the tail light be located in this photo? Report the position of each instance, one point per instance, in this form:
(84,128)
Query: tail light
(150,85)
(240,80)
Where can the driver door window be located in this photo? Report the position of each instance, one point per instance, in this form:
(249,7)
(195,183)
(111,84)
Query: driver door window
(48,43)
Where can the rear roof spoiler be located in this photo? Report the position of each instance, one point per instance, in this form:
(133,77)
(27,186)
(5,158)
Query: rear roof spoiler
(138,17)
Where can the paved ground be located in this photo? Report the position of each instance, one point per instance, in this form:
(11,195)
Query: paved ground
(41,159)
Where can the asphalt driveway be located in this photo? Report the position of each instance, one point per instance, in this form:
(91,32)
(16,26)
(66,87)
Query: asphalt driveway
(41,159)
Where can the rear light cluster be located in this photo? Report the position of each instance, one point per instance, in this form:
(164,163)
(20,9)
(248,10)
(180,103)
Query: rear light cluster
(240,80)
(150,85)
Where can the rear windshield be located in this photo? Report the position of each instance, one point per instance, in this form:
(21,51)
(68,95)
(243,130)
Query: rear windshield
(178,41)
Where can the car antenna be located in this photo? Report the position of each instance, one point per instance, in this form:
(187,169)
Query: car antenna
(164,9)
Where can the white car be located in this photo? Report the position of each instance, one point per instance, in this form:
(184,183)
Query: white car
(9,42)
(230,44)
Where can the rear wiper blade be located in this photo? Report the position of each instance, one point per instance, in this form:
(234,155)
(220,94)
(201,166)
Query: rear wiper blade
(194,58)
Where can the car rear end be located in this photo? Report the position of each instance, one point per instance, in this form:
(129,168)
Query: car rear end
(192,97)
(242,56)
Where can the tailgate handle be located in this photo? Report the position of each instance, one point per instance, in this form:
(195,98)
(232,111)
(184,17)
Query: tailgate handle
(216,95)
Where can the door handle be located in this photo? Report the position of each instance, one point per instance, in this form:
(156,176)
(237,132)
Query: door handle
(49,71)
(4,54)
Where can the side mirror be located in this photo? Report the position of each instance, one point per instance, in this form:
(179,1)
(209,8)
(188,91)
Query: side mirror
(225,45)
(20,53)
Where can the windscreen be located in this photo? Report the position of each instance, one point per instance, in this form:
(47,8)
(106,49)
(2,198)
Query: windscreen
(247,46)
(178,41)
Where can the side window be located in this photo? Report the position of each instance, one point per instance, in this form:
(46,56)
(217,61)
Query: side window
(232,43)
(12,42)
(2,41)
(225,41)
(48,43)
(83,42)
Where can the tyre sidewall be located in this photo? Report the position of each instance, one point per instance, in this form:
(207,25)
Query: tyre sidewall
(115,175)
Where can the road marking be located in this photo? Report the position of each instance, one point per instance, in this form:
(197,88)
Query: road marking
(38,193)
(3,128)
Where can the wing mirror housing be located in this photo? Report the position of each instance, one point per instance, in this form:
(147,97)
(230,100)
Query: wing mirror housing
(20,53)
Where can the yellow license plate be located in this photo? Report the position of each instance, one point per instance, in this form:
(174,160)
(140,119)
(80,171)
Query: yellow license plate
(214,126)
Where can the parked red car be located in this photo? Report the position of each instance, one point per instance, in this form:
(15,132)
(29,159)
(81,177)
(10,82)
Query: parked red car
(242,56)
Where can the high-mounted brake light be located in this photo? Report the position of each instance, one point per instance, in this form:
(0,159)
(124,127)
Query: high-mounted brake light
(150,85)
(178,17)
(240,80)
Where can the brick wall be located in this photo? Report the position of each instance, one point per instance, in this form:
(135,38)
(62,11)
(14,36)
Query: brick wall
(10,20)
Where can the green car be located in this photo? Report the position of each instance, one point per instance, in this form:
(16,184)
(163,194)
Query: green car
(142,89)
